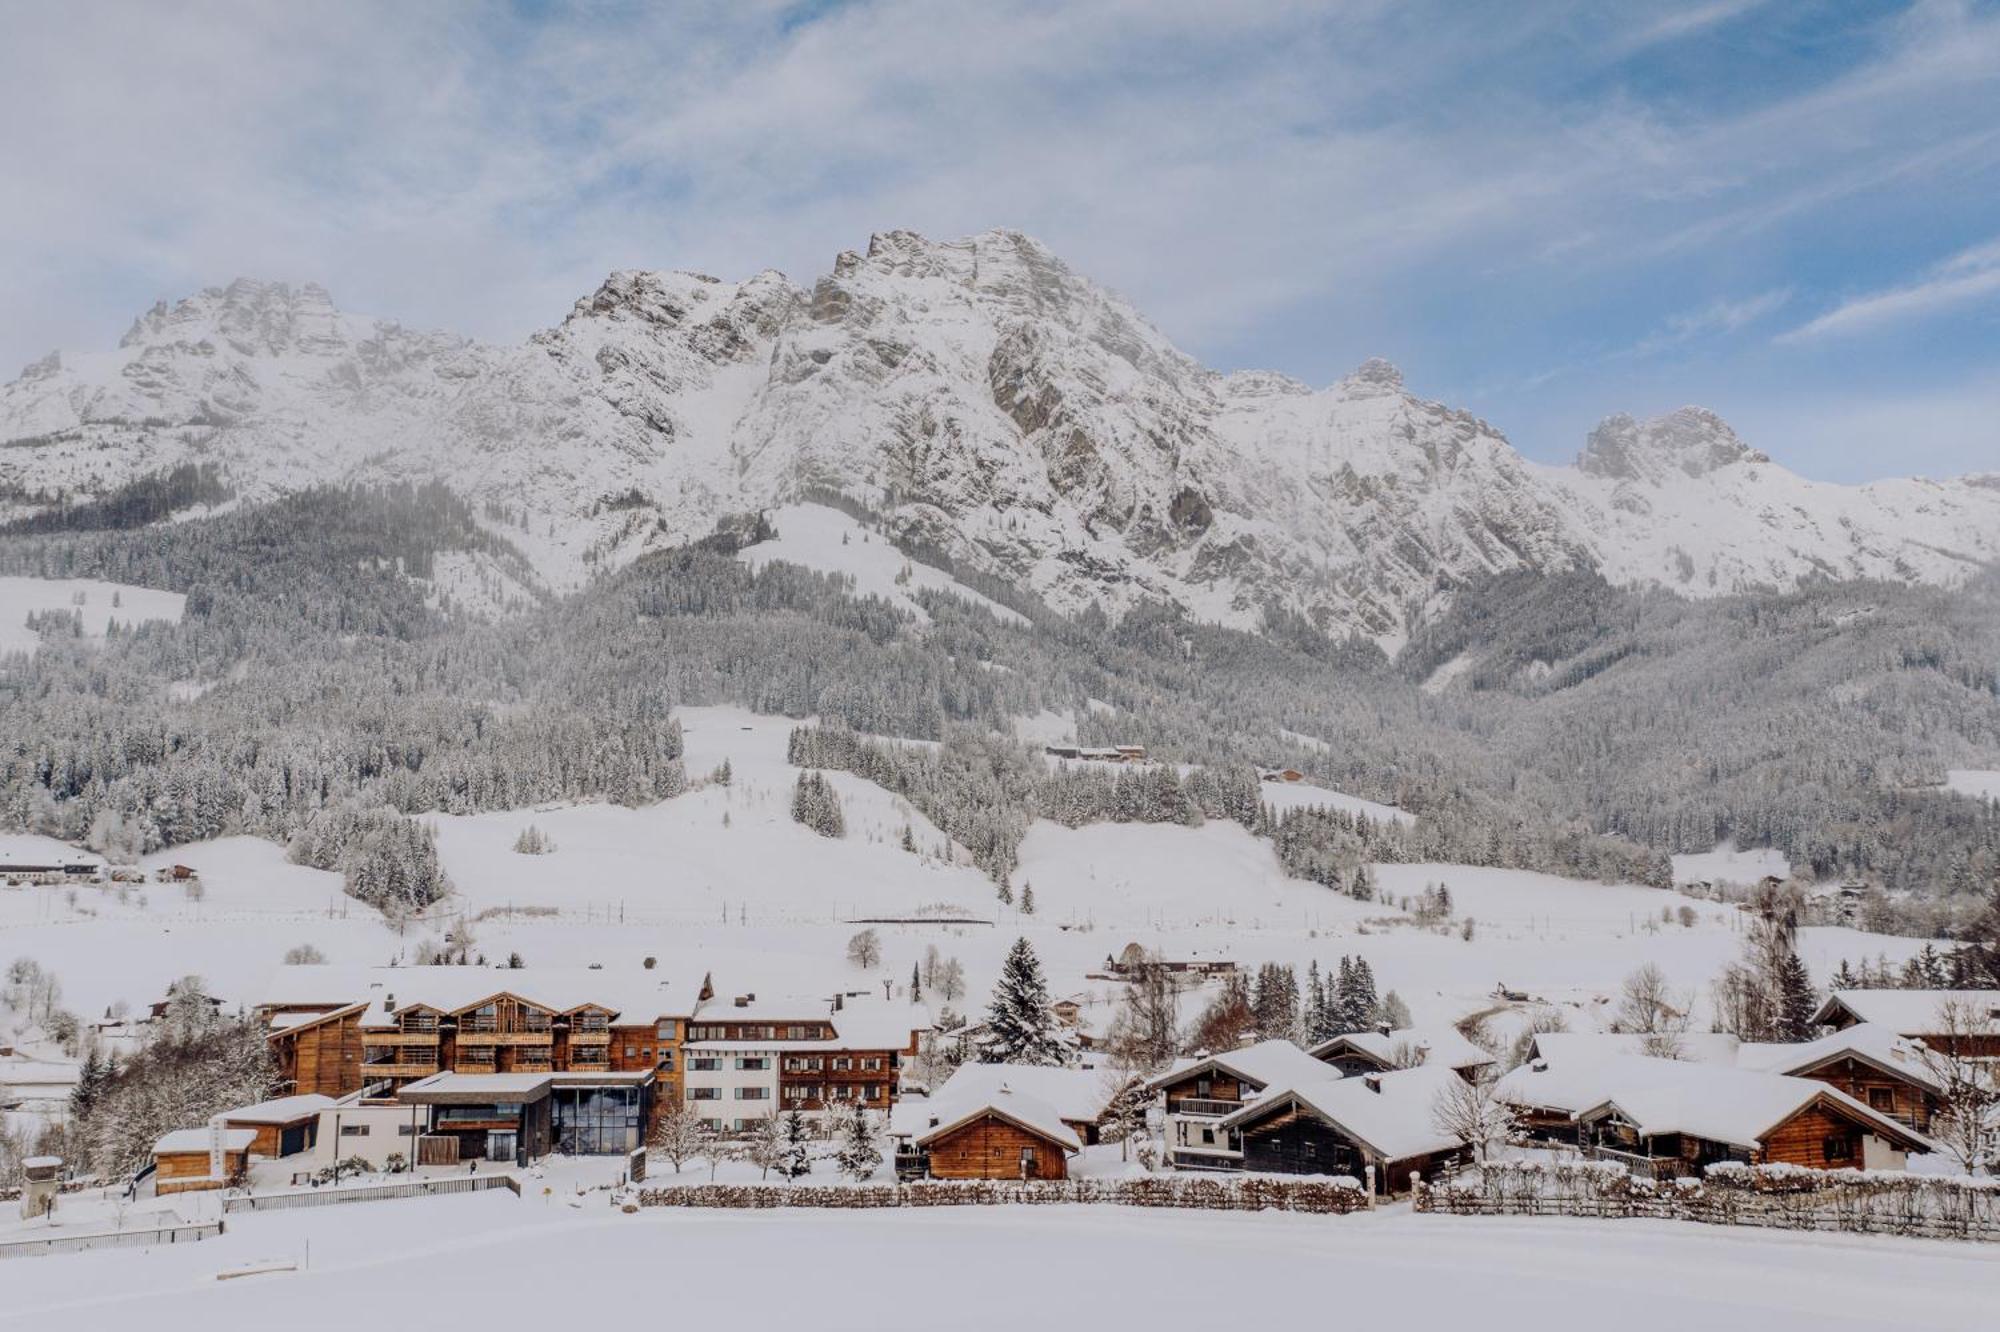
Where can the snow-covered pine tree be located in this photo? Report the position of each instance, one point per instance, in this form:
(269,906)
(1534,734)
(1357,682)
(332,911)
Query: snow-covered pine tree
(795,1149)
(1020,1028)
(817,806)
(858,1156)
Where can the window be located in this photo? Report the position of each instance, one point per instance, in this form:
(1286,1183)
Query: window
(353,1130)
(704,1093)
(407,1130)
(1882,1099)
(753,1093)
(631,1051)
(753,1064)
(1202,1087)
(704,1064)
(665,1030)
(872,1065)
(1837,1149)
(797,1093)
(842,1064)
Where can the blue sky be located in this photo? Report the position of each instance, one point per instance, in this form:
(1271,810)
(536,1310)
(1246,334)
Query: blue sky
(1544,212)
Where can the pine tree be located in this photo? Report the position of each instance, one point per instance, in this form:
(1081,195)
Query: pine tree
(916,983)
(1020,1028)
(1027,899)
(795,1150)
(858,1156)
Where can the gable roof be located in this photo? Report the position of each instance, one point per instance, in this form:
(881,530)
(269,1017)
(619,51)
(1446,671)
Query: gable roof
(1077,1095)
(1698,1047)
(1443,1046)
(1265,1064)
(1905,1012)
(197,1140)
(1869,1043)
(1388,1113)
(1736,1106)
(634,994)
(1023,1112)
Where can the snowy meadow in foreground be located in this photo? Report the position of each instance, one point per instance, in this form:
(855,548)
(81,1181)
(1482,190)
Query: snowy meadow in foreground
(486,1260)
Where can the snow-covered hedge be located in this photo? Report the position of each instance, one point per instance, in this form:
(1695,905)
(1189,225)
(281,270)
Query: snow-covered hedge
(1217,1192)
(1781,1196)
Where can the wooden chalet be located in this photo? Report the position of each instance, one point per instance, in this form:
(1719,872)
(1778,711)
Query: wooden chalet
(1386,1050)
(1667,1117)
(1920,1015)
(192,1160)
(283,1127)
(1004,1136)
(1868,1062)
(1080,1097)
(1376,1126)
(1201,1092)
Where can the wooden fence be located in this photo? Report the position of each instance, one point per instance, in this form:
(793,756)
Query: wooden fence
(1777,1197)
(331,1194)
(111,1239)
(1230,1194)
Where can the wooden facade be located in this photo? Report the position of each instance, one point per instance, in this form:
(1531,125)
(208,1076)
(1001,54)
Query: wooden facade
(1823,1134)
(1882,1090)
(1293,1140)
(991,1147)
(187,1172)
(322,1055)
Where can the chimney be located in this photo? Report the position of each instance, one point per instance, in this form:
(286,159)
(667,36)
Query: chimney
(1384,1028)
(1539,1066)
(1373,1082)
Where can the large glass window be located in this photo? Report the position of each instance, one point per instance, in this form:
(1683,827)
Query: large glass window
(597,1121)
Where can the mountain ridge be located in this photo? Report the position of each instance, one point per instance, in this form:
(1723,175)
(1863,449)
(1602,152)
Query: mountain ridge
(985,400)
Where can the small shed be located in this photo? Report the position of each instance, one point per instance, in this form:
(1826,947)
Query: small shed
(1006,1136)
(284,1127)
(184,1161)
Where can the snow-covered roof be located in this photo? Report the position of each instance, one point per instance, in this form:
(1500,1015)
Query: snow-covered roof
(1869,1042)
(40,1162)
(1700,1047)
(1737,1106)
(198,1139)
(1077,1095)
(1441,1046)
(1266,1064)
(1389,1113)
(1036,1116)
(1906,1012)
(477,1087)
(636,995)
(283,1110)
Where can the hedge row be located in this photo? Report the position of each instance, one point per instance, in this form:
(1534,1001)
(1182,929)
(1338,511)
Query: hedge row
(1233,1193)
(1778,1196)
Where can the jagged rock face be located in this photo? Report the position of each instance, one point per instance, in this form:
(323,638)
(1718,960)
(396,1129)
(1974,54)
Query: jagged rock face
(1691,442)
(984,398)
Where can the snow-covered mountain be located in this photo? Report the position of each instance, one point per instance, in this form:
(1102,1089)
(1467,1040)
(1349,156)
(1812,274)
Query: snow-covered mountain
(985,399)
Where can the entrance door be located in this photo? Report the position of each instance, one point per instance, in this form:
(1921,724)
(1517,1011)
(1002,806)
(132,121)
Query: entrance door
(292,1141)
(500,1146)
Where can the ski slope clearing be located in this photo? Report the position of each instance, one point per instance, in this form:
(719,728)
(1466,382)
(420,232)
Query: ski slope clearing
(89,598)
(1304,795)
(1980,783)
(1728,865)
(817,537)
(1092,1268)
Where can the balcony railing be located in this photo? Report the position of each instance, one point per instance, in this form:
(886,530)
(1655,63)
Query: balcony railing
(373,1038)
(590,1036)
(407,1069)
(1206,1108)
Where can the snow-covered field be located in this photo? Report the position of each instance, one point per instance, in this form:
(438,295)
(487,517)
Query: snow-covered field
(493,1261)
(89,598)
(817,537)
(1728,865)
(1982,783)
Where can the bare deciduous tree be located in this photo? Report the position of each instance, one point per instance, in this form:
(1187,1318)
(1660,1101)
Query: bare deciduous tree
(1471,1113)
(679,1135)
(1968,1093)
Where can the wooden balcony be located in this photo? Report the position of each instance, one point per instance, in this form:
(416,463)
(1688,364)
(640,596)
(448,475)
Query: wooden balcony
(1205,1108)
(587,1036)
(506,1038)
(416,1069)
(399,1038)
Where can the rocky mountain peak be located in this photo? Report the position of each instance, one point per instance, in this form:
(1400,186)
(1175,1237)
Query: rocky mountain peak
(1691,441)
(1373,377)
(256,318)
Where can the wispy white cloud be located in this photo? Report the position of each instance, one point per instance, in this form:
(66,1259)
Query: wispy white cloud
(1967,276)
(1716,318)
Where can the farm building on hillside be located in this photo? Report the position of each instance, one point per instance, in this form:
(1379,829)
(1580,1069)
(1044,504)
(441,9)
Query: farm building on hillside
(1377,1122)
(1003,1136)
